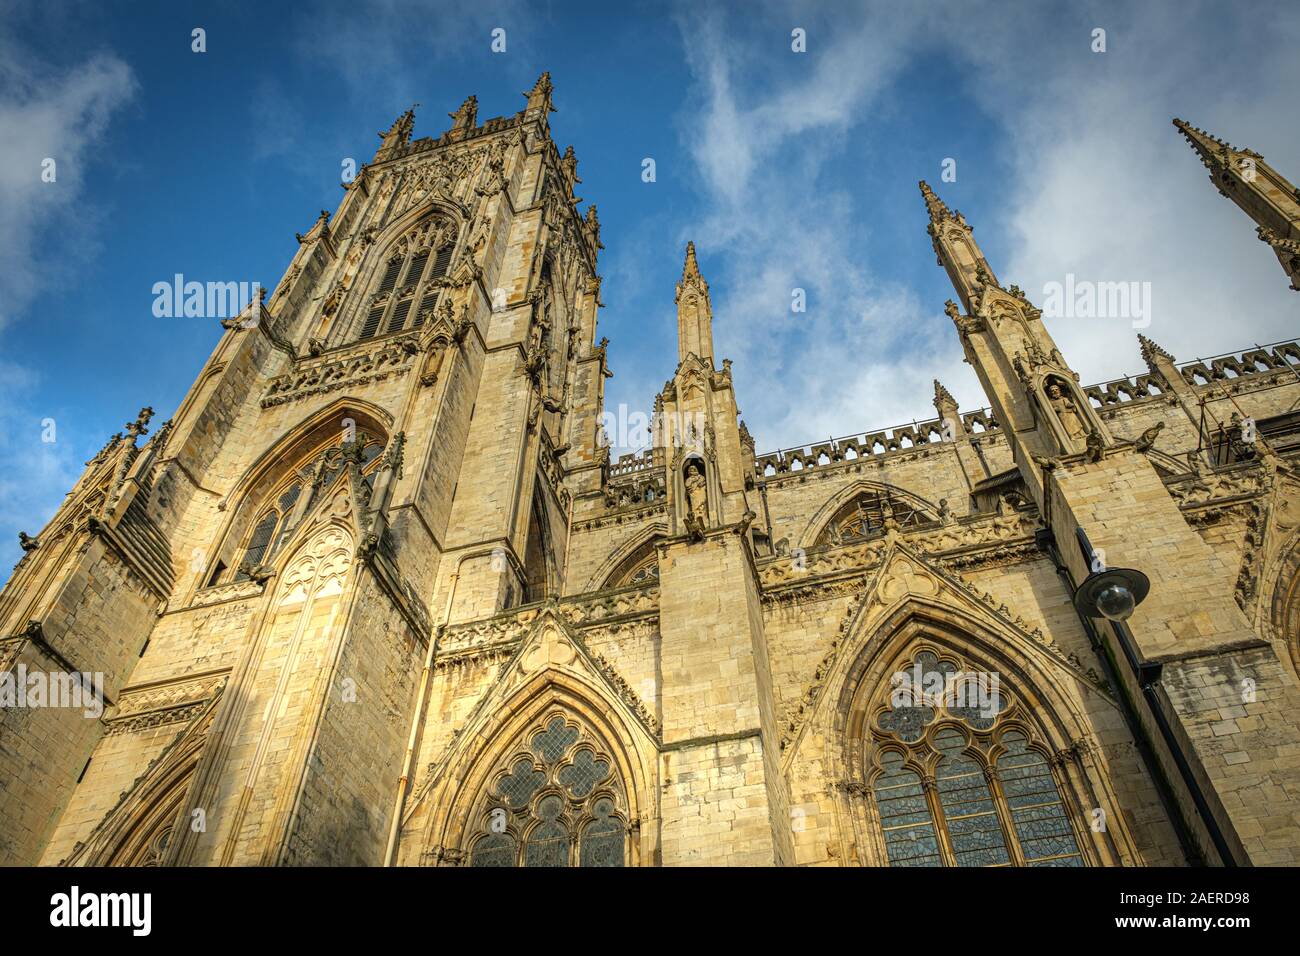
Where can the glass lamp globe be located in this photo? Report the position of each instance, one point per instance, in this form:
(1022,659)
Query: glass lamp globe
(1116,602)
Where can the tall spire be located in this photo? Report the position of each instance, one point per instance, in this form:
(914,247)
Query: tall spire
(694,311)
(1261,192)
(955,248)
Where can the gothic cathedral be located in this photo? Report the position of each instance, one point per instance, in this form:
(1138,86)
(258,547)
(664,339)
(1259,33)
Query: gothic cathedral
(376,594)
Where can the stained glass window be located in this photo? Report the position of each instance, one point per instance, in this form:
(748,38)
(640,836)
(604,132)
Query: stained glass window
(992,799)
(581,776)
(910,839)
(968,809)
(1044,831)
(257,545)
(602,840)
(494,849)
(555,802)
(548,844)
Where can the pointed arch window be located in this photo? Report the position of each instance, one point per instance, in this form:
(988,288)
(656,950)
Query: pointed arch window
(556,801)
(411,280)
(275,524)
(868,514)
(640,569)
(957,779)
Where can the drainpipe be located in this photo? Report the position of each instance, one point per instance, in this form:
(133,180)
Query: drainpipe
(1147,674)
(1047,543)
(404,782)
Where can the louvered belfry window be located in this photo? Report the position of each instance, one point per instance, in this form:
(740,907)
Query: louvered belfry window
(420,259)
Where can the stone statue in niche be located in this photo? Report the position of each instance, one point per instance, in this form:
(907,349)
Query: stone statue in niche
(697,499)
(1067,412)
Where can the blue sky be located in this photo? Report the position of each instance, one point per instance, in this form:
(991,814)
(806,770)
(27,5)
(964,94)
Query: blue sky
(789,170)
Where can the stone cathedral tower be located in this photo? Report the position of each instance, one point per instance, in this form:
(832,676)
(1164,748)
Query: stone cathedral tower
(376,594)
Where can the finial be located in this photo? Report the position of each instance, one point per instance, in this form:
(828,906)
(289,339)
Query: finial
(1150,351)
(540,95)
(400,132)
(466,116)
(933,204)
(1207,146)
(139,426)
(691,267)
(942,397)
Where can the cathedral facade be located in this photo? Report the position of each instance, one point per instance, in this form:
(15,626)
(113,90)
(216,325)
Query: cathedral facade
(376,593)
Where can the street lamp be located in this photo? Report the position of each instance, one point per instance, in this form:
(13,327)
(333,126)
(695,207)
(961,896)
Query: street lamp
(1112,593)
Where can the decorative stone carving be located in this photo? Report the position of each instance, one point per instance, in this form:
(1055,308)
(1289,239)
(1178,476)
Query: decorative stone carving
(697,499)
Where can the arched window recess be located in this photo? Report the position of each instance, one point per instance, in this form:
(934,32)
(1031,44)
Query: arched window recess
(410,278)
(869,514)
(958,778)
(555,800)
(270,522)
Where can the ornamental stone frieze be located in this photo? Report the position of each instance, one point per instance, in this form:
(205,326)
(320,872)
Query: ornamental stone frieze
(157,705)
(360,365)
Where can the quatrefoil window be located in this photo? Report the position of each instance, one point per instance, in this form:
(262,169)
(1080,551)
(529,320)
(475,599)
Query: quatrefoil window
(581,776)
(552,743)
(518,788)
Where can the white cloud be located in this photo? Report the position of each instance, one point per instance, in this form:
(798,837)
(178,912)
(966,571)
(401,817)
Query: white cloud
(782,225)
(1108,190)
(47,114)
(1104,188)
(62,115)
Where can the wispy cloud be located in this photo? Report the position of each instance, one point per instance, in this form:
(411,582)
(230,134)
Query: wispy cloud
(47,114)
(47,229)
(383,47)
(779,223)
(38,470)
(1104,188)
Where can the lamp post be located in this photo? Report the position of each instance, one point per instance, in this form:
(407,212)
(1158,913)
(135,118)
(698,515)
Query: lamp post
(1114,593)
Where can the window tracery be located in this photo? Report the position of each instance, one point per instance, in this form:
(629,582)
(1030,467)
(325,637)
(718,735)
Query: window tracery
(640,569)
(275,524)
(957,777)
(868,515)
(420,260)
(555,801)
